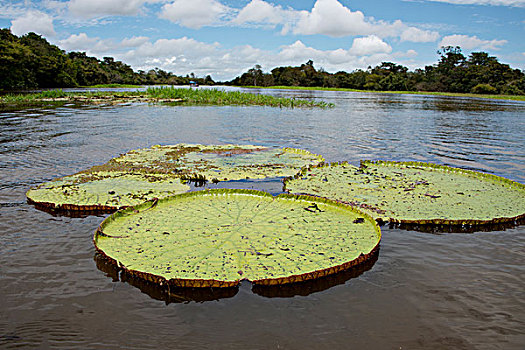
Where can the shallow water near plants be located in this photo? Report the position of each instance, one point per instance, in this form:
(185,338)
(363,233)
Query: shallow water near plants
(436,291)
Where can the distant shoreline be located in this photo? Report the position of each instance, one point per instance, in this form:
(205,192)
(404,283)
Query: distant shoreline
(430,93)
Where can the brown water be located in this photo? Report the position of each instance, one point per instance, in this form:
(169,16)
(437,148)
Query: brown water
(425,291)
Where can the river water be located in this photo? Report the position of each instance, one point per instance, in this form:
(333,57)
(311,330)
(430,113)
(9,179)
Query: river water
(424,291)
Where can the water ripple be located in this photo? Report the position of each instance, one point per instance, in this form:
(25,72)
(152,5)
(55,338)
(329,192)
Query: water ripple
(425,291)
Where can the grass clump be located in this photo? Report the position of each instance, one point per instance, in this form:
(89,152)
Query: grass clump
(159,94)
(124,86)
(220,97)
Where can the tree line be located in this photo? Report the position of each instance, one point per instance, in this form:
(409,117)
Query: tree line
(477,73)
(30,61)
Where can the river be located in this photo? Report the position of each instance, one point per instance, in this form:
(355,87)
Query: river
(425,291)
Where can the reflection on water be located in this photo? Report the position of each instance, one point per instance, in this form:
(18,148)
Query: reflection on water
(164,293)
(181,295)
(424,291)
(439,229)
(318,285)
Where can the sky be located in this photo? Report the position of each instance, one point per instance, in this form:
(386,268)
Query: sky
(224,38)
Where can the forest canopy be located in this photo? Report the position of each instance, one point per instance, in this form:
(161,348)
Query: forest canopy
(30,61)
(477,73)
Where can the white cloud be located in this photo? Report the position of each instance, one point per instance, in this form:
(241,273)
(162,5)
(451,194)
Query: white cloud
(331,60)
(328,17)
(178,55)
(101,8)
(418,35)
(184,55)
(194,13)
(298,51)
(259,11)
(134,41)
(54,5)
(12,10)
(362,50)
(471,42)
(407,54)
(331,18)
(511,3)
(92,46)
(369,45)
(33,21)
(77,42)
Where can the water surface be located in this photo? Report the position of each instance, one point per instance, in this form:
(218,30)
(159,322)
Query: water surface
(435,291)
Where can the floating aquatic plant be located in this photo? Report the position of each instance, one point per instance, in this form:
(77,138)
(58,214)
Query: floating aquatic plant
(216,238)
(416,193)
(169,95)
(221,97)
(218,162)
(157,172)
(103,190)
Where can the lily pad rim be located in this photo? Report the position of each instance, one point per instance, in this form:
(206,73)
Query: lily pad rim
(101,208)
(207,283)
(93,208)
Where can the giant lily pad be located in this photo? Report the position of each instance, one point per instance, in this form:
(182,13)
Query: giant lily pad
(218,162)
(157,172)
(100,191)
(416,193)
(216,238)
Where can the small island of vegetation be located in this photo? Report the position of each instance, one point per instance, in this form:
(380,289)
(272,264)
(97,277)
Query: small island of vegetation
(162,94)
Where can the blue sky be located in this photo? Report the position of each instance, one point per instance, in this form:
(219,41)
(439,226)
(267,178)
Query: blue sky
(224,38)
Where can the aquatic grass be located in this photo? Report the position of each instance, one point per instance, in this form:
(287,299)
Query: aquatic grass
(52,93)
(220,97)
(124,86)
(160,94)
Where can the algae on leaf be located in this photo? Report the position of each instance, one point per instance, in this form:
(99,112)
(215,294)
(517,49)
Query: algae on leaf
(416,193)
(157,172)
(219,162)
(104,190)
(216,238)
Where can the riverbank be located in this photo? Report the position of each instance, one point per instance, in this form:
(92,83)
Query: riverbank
(169,95)
(123,86)
(451,94)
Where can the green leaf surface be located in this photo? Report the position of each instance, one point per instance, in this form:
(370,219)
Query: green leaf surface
(105,190)
(219,162)
(416,193)
(218,237)
(157,172)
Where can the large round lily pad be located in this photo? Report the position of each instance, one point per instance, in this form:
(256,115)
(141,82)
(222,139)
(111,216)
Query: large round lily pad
(218,162)
(216,238)
(416,193)
(158,171)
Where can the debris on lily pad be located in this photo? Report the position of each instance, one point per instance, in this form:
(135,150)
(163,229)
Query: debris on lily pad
(218,162)
(415,192)
(162,171)
(103,190)
(216,238)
